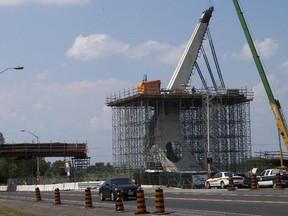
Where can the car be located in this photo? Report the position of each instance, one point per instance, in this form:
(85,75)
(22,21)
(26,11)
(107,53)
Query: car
(270,178)
(247,179)
(108,190)
(100,182)
(221,179)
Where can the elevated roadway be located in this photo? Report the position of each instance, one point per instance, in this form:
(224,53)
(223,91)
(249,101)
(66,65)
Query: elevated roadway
(57,149)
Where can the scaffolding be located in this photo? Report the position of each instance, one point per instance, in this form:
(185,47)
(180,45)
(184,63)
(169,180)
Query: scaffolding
(170,131)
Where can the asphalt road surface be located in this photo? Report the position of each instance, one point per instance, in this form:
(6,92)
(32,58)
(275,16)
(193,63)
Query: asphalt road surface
(264,201)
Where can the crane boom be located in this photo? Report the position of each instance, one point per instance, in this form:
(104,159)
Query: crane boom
(274,103)
(183,70)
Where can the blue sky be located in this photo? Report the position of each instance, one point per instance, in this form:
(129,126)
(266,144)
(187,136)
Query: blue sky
(76,52)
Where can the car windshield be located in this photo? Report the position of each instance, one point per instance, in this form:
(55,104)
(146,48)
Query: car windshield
(229,174)
(121,182)
(276,171)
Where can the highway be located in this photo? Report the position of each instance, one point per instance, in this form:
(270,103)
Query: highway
(265,202)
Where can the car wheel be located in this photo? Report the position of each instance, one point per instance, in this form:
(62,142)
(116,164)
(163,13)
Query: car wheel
(222,185)
(102,197)
(113,197)
(207,185)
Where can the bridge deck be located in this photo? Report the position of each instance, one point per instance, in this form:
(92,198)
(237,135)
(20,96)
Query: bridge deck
(43,150)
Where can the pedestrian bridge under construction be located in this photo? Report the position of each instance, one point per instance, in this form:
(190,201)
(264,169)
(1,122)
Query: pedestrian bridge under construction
(183,127)
(171,132)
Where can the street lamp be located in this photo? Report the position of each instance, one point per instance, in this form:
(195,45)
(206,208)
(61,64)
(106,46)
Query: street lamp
(14,68)
(37,158)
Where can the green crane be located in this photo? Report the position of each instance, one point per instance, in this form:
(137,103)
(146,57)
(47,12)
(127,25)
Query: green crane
(274,103)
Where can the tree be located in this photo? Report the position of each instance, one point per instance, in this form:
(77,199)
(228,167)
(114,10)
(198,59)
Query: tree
(8,167)
(56,169)
(2,140)
(101,170)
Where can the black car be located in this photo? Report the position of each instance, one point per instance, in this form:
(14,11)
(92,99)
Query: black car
(247,179)
(110,187)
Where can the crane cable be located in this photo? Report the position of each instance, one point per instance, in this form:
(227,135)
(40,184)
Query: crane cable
(201,76)
(215,59)
(208,67)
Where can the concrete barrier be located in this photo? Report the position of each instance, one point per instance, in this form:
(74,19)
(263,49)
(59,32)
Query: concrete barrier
(50,187)
(92,185)
(3,188)
(70,186)
(60,186)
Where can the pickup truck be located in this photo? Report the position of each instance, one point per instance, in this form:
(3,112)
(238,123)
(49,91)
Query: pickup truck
(268,178)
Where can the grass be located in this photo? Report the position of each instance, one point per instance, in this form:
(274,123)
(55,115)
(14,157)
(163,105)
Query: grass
(6,211)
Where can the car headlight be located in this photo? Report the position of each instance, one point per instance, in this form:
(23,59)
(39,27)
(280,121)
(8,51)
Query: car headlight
(118,189)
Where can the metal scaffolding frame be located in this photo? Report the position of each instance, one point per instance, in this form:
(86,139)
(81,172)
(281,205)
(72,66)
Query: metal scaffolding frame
(138,135)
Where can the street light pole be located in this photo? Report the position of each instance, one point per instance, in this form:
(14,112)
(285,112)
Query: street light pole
(14,68)
(37,158)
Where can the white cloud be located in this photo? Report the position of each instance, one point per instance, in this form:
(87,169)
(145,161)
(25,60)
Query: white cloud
(245,53)
(6,110)
(147,48)
(284,66)
(43,2)
(259,93)
(172,55)
(40,106)
(97,46)
(42,75)
(265,49)
(56,105)
(102,122)
(260,96)
(86,87)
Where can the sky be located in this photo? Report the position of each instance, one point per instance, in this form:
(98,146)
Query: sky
(75,53)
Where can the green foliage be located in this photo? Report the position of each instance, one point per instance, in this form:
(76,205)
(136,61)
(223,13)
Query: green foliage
(101,170)
(43,166)
(2,140)
(262,163)
(55,170)
(26,168)
(8,169)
